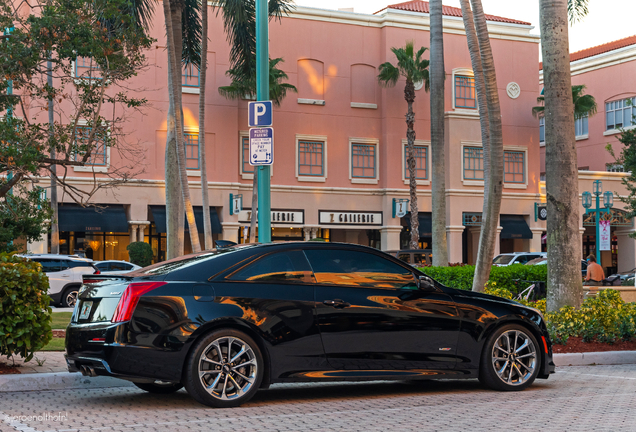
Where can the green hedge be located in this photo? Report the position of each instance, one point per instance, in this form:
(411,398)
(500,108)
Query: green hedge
(140,253)
(462,277)
(25,315)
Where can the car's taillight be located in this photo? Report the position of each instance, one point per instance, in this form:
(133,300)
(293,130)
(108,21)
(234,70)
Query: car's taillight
(97,271)
(130,298)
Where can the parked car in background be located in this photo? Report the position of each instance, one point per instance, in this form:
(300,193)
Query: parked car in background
(115,266)
(626,274)
(506,259)
(415,257)
(65,275)
(224,323)
(544,261)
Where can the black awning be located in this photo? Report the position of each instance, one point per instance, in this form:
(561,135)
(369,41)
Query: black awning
(159,215)
(426,223)
(73,217)
(514,227)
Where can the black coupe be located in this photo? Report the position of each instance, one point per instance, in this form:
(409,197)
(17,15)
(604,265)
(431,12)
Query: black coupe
(227,322)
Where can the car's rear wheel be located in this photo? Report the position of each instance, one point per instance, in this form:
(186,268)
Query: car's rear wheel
(166,388)
(510,360)
(224,369)
(69,298)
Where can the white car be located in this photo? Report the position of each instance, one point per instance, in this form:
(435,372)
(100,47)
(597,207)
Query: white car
(506,259)
(115,266)
(65,275)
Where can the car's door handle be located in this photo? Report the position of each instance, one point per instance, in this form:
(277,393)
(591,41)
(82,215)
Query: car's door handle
(337,303)
(65,275)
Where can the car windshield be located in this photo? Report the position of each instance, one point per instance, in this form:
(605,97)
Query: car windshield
(503,259)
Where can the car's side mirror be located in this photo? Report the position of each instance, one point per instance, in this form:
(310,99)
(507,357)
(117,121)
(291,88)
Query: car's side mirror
(425,283)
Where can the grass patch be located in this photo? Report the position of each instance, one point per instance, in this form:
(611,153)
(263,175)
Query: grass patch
(60,320)
(56,344)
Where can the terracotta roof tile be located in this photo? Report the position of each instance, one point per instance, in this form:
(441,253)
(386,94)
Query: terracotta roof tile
(422,6)
(600,49)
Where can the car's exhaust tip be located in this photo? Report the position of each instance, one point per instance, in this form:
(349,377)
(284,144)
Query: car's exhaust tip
(88,371)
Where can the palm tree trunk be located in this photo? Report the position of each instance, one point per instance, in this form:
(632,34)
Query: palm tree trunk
(409,96)
(174,63)
(174,204)
(253,219)
(494,185)
(438,181)
(564,268)
(207,223)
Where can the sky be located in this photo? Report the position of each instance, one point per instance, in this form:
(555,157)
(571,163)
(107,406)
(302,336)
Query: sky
(608,20)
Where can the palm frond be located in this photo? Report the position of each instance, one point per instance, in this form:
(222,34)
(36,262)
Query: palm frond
(142,11)
(192,31)
(388,75)
(577,10)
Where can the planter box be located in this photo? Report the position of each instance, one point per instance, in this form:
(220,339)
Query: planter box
(628,293)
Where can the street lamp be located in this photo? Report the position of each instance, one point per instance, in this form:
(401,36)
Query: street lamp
(608,202)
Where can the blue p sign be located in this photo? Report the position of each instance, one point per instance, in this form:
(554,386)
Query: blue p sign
(260,113)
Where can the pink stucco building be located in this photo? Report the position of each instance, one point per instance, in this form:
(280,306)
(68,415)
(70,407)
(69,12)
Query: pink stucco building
(339,142)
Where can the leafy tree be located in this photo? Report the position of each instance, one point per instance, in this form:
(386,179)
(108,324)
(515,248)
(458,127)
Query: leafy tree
(95,102)
(239,22)
(438,183)
(627,159)
(411,66)
(584,104)
(140,253)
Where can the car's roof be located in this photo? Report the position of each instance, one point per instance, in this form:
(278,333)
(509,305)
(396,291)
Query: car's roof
(114,261)
(58,256)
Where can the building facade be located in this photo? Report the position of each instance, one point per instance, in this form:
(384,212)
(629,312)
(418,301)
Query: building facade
(339,150)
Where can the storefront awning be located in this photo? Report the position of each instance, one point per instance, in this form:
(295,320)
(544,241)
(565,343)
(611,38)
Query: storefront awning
(426,223)
(73,217)
(159,214)
(514,227)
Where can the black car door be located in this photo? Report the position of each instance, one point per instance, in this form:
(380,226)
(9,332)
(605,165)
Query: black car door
(372,315)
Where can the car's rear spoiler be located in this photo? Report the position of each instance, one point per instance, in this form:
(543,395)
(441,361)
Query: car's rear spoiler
(96,278)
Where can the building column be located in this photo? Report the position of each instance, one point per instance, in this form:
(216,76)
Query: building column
(133,232)
(581,233)
(307,233)
(314,233)
(454,242)
(230,231)
(535,241)
(475,233)
(626,250)
(390,237)
(498,241)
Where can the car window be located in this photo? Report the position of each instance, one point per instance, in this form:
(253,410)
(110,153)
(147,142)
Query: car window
(521,259)
(419,259)
(503,259)
(49,265)
(76,264)
(103,266)
(405,257)
(64,264)
(115,266)
(287,266)
(346,267)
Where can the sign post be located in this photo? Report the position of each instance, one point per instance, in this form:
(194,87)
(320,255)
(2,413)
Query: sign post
(262,94)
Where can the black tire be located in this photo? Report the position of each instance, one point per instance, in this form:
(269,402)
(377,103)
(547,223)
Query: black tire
(159,388)
(227,384)
(69,297)
(513,367)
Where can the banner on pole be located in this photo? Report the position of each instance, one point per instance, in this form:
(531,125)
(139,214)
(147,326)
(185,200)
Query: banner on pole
(605,241)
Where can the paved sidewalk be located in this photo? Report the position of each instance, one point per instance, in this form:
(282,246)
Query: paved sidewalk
(42,362)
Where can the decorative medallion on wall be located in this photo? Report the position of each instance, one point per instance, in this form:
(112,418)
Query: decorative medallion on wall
(513,90)
(419,84)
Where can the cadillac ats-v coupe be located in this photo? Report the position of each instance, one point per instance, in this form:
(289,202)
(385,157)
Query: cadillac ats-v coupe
(225,323)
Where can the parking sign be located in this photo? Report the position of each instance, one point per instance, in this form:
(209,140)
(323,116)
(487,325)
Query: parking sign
(261,146)
(260,113)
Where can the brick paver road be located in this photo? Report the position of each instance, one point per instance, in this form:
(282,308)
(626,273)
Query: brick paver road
(574,399)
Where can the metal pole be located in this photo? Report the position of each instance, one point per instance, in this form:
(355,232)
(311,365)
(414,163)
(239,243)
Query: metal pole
(262,94)
(598,231)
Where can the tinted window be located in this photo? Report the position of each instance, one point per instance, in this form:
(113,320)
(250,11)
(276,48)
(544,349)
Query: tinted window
(119,266)
(288,266)
(405,257)
(345,267)
(503,259)
(419,258)
(522,259)
(102,266)
(49,266)
(75,264)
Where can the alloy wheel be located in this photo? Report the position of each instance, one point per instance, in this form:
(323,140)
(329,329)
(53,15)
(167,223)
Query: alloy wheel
(70,298)
(228,368)
(514,357)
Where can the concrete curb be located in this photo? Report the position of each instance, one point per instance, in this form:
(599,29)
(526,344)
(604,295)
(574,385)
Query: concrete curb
(595,358)
(56,381)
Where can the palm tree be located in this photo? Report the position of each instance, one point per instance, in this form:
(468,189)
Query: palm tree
(564,277)
(491,133)
(239,22)
(584,104)
(207,223)
(438,188)
(411,66)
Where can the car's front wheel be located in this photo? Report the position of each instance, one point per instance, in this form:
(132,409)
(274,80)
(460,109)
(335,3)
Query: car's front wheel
(224,369)
(510,359)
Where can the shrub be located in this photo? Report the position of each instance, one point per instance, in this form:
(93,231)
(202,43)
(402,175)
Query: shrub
(25,315)
(140,253)
(461,277)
